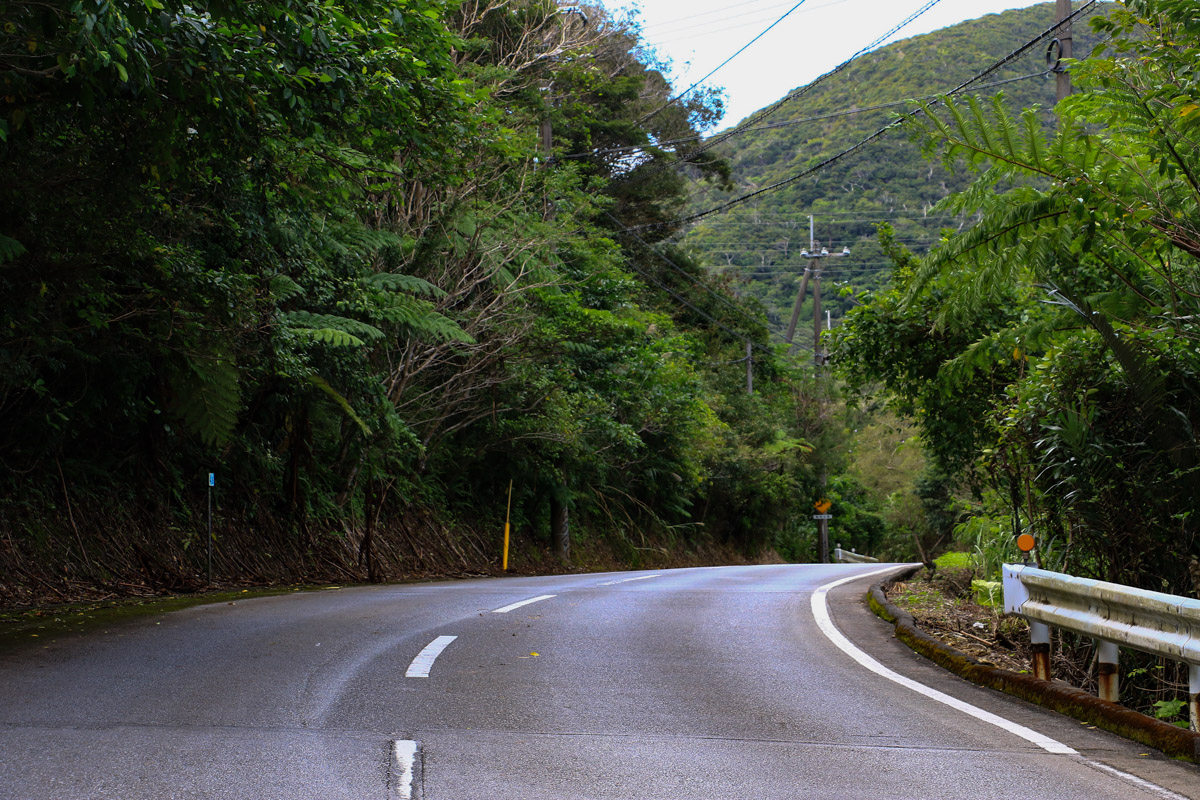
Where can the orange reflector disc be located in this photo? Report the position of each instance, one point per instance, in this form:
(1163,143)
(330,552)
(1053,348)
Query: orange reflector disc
(1025,542)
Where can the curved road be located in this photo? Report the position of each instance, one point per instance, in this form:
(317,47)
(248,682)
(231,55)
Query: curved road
(693,683)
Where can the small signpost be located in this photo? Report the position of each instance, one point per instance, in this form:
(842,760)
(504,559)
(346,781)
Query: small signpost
(212,481)
(822,517)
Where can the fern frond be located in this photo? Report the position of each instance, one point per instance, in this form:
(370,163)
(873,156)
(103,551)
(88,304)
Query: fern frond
(998,234)
(10,249)
(440,328)
(1034,139)
(340,400)
(579,348)
(327,327)
(419,318)
(396,282)
(1007,130)
(208,398)
(284,288)
(982,127)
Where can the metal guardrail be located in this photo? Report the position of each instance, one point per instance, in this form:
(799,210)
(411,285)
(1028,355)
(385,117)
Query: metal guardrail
(841,556)
(1115,616)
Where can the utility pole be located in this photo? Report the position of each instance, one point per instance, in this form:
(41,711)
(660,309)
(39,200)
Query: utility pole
(1060,48)
(791,331)
(749,367)
(815,272)
(818,359)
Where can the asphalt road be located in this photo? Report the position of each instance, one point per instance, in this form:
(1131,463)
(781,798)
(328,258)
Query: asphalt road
(695,683)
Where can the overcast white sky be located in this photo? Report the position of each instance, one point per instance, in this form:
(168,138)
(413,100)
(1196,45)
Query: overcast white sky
(697,35)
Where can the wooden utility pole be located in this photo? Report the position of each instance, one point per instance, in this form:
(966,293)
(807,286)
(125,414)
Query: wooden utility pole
(1062,10)
(817,359)
(791,331)
(749,367)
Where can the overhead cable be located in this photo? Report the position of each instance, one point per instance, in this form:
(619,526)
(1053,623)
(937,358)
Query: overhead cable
(759,116)
(1020,51)
(711,72)
(631,148)
(744,312)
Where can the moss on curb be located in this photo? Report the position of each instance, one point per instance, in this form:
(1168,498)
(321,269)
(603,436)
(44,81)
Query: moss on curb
(1175,742)
(33,626)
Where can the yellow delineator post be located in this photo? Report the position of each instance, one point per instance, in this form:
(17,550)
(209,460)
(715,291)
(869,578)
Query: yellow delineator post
(507,513)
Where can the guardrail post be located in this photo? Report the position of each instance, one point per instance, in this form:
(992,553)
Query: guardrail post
(1194,696)
(1039,638)
(1108,677)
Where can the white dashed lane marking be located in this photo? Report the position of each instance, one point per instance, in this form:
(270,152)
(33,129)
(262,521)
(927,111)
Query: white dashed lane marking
(515,606)
(627,580)
(420,666)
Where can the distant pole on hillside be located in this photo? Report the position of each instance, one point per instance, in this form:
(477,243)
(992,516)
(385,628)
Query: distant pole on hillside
(1061,46)
(749,367)
(791,331)
(815,272)
(818,358)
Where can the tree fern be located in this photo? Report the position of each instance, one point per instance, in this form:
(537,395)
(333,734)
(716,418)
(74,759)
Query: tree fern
(207,397)
(331,329)
(417,316)
(396,282)
(10,249)
(340,400)
(284,288)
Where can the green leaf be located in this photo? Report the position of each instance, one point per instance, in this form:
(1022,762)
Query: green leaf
(10,249)
(340,400)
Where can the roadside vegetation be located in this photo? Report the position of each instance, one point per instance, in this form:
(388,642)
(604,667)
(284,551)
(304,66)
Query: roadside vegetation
(366,264)
(953,603)
(1049,356)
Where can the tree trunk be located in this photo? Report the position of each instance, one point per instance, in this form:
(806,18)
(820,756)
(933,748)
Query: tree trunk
(560,534)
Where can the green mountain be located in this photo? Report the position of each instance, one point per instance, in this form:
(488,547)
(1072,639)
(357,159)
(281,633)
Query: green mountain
(757,243)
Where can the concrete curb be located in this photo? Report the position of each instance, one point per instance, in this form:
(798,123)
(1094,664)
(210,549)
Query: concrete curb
(1063,698)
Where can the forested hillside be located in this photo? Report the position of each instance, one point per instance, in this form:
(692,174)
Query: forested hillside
(327,253)
(757,244)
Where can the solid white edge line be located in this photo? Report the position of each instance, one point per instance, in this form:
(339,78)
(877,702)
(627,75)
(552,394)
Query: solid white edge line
(627,580)
(1141,783)
(423,663)
(515,606)
(405,753)
(820,610)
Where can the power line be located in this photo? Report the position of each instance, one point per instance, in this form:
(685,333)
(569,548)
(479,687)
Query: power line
(746,314)
(632,148)
(874,136)
(691,19)
(682,94)
(690,277)
(771,109)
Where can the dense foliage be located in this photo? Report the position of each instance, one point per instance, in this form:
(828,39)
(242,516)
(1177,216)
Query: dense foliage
(332,253)
(1065,320)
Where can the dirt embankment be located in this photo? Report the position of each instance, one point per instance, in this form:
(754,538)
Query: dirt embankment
(96,554)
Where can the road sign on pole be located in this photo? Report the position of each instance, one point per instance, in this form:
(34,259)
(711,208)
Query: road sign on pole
(822,516)
(212,481)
